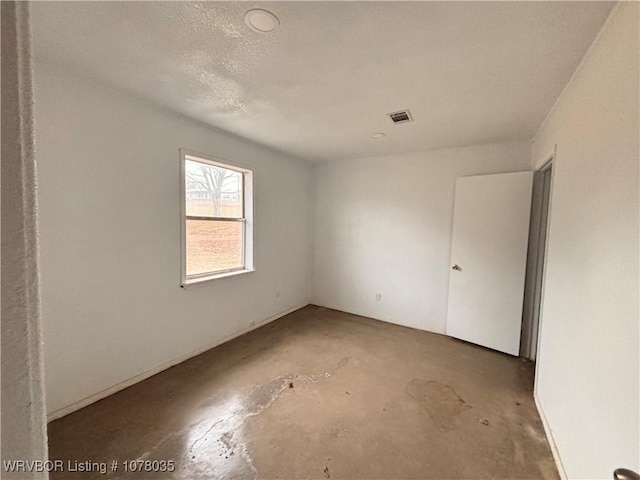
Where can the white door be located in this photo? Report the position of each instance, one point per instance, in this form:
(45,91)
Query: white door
(488,259)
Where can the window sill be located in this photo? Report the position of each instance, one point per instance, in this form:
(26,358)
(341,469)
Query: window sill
(197,282)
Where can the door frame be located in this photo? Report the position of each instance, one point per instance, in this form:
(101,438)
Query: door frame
(549,163)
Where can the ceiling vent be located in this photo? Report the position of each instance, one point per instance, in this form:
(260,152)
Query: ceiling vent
(403,116)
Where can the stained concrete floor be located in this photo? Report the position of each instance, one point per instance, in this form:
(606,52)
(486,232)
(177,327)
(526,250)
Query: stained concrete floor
(321,394)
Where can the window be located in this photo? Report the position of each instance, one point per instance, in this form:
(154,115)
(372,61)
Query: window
(216,219)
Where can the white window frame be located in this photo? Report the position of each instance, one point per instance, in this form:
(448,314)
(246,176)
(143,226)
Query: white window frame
(247,219)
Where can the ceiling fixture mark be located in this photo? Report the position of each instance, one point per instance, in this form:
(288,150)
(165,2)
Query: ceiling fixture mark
(402,116)
(261,21)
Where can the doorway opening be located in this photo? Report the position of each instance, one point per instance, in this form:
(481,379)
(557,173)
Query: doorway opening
(536,261)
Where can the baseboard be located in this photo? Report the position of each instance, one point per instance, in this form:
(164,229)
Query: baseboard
(552,442)
(61,412)
(375,317)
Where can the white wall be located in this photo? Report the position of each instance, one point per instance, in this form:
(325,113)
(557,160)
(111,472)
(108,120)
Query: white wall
(588,365)
(383,225)
(110,237)
(24,427)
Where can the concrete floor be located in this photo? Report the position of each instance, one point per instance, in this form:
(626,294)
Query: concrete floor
(321,394)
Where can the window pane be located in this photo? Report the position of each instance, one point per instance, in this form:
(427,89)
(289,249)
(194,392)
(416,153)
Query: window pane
(213,246)
(212,191)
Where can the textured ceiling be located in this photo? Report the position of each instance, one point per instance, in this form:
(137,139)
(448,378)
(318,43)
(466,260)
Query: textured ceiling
(318,87)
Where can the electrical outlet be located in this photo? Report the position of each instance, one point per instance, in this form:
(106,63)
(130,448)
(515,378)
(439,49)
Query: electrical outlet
(378,297)
(252,323)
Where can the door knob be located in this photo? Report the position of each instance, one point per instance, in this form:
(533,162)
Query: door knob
(456,267)
(624,474)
